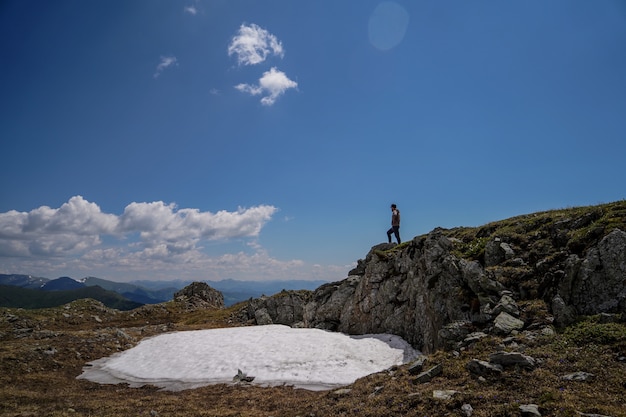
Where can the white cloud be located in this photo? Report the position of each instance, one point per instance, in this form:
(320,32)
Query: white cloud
(153,240)
(192,10)
(272,85)
(77,216)
(253,44)
(158,222)
(79,224)
(165,63)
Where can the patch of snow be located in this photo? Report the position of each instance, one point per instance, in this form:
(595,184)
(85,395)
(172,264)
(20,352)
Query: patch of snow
(274,354)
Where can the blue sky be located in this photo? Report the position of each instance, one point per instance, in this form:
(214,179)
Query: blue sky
(266,140)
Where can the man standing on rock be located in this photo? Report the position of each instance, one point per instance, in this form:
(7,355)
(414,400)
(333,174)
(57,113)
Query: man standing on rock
(395,224)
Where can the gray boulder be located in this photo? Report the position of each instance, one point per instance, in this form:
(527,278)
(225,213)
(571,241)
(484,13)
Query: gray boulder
(578,376)
(508,305)
(483,368)
(507,359)
(564,315)
(417,365)
(497,252)
(505,323)
(529,410)
(199,295)
(429,375)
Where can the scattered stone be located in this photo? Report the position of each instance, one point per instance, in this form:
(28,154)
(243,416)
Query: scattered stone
(342,392)
(529,410)
(467,409)
(455,332)
(513,359)
(445,394)
(590,414)
(242,377)
(578,376)
(377,390)
(417,365)
(473,338)
(516,262)
(564,315)
(508,305)
(482,368)
(50,351)
(122,334)
(429,375)
(505,323)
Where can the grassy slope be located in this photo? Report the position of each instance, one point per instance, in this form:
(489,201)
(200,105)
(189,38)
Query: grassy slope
(38,370)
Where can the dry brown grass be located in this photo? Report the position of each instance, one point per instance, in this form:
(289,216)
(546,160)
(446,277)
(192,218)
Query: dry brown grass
(38,374)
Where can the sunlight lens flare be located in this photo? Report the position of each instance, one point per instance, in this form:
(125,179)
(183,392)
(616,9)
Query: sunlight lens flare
(387,26)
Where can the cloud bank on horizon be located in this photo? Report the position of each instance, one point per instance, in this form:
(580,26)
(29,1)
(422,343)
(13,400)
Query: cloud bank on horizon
(147,238)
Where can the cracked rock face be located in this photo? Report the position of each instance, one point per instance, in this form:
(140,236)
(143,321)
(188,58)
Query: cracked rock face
(425,293)
(596,283)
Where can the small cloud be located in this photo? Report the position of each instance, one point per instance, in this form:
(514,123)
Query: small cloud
(192,10)
(254,244)
(253,44)
(214,92)
(166,62)
(272,84)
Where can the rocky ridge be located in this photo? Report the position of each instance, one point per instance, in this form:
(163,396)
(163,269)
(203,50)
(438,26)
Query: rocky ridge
(512,284)
(438,288)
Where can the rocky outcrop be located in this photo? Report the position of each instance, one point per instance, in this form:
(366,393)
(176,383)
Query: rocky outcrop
(595,283)
(429,292)
(413,292)
(199,295)
(286,307)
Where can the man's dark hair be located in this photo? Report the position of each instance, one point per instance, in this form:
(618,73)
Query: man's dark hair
(393,206)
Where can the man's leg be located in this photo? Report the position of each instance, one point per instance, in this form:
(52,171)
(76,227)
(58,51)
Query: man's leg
(389,232)
(396,231)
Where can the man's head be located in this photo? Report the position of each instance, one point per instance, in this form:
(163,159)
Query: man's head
(393,206)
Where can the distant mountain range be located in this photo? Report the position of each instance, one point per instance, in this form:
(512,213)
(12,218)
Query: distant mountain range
(135,292)
(18,297)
